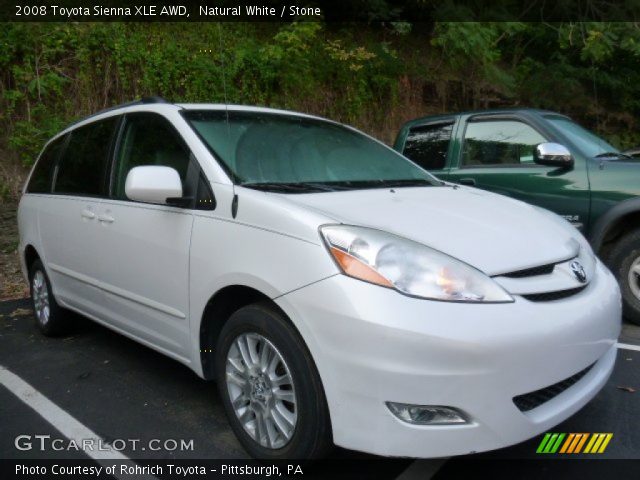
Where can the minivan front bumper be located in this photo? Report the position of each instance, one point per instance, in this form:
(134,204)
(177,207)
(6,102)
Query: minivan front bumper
(373,345)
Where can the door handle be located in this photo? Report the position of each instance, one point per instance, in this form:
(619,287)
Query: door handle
(106,218)
(467,181)
(88,214)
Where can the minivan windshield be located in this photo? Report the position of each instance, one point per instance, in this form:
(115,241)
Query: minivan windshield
(295,154)
(591,144)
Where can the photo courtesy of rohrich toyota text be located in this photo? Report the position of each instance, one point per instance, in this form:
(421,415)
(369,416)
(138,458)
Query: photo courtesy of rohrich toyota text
(367,239)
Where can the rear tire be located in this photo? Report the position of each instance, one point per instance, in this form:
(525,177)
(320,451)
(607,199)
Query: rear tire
(51,319)
(270,388)
(624,261)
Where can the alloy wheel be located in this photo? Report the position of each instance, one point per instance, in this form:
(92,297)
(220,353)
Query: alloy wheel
(634,278)
(40,297)
(261,390)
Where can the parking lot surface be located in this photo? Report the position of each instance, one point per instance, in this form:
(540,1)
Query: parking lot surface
(118,390)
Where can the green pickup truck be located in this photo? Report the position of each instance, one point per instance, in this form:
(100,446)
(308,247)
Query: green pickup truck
(546,159)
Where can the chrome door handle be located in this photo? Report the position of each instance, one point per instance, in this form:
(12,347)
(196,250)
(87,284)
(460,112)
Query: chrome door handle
(88,214)
(467,181)
(106,218)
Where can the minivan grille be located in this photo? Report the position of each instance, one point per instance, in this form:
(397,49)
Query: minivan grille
(551,296)
(531,272)
(529,401)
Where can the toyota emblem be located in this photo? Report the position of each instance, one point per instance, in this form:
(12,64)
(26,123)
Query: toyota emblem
(578,271)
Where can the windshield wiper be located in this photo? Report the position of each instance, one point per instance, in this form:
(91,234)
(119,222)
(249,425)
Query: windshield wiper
(408,182)
(327,187)
(313,187)
(613,154)
(293,187)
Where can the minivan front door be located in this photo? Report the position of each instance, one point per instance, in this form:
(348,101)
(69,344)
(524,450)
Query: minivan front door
(145,247)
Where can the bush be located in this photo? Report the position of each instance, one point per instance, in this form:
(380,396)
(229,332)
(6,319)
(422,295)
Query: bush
(372,76)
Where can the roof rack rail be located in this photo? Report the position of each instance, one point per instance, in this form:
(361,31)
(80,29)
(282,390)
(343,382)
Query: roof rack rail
(142,101)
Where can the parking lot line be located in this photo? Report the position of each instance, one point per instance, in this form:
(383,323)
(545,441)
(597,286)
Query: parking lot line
(62,421)
(626,346)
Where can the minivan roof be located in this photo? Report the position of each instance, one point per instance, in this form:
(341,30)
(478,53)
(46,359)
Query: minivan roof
(159,104)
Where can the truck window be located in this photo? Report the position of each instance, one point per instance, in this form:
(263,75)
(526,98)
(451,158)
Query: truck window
(499,142)
(427,145)
(590,143)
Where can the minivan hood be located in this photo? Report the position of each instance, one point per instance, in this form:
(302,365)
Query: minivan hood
(493,233)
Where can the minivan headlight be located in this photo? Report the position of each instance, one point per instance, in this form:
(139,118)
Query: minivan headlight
(411,268)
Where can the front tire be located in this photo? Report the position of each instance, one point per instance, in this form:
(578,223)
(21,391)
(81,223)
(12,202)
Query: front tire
(624,261)
(270,388)
(51,319)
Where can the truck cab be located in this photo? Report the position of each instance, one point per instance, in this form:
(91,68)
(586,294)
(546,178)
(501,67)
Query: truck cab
(546,159)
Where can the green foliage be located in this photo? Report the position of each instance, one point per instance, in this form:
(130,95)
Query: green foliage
(5,190)
(476,48)
(372,76)
(56,73)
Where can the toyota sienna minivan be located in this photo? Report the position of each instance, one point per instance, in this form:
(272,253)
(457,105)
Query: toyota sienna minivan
(337,292)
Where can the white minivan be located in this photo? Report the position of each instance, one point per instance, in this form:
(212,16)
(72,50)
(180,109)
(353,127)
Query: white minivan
(338,293)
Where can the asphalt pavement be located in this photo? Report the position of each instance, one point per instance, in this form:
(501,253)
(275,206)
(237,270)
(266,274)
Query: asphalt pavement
(151,407)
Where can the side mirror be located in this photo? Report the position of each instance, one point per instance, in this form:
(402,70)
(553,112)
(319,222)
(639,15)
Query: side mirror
(153,184)
(553,155)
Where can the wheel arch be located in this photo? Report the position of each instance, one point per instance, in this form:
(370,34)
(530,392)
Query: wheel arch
(617,221)
(217,311)
(29,256)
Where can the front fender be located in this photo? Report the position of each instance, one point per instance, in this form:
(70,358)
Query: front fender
(226,253)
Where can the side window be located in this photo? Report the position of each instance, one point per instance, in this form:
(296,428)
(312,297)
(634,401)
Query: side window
(83,167)
(427,145)
(499,142)
(149,139)
(42,176)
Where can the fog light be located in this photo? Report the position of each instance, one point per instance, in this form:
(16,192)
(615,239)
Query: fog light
(427,414)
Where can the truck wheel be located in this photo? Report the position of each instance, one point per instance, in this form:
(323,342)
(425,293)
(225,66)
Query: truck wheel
(270,388)
(52,320)
(624,261)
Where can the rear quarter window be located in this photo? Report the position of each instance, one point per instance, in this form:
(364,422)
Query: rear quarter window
(42,176)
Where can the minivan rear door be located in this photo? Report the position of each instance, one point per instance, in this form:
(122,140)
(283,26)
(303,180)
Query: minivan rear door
(68,218)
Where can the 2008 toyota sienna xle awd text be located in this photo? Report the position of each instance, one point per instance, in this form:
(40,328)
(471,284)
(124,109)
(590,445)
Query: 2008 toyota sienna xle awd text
(336,291)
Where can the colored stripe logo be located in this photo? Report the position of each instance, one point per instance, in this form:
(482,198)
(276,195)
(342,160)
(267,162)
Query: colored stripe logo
(574,443)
